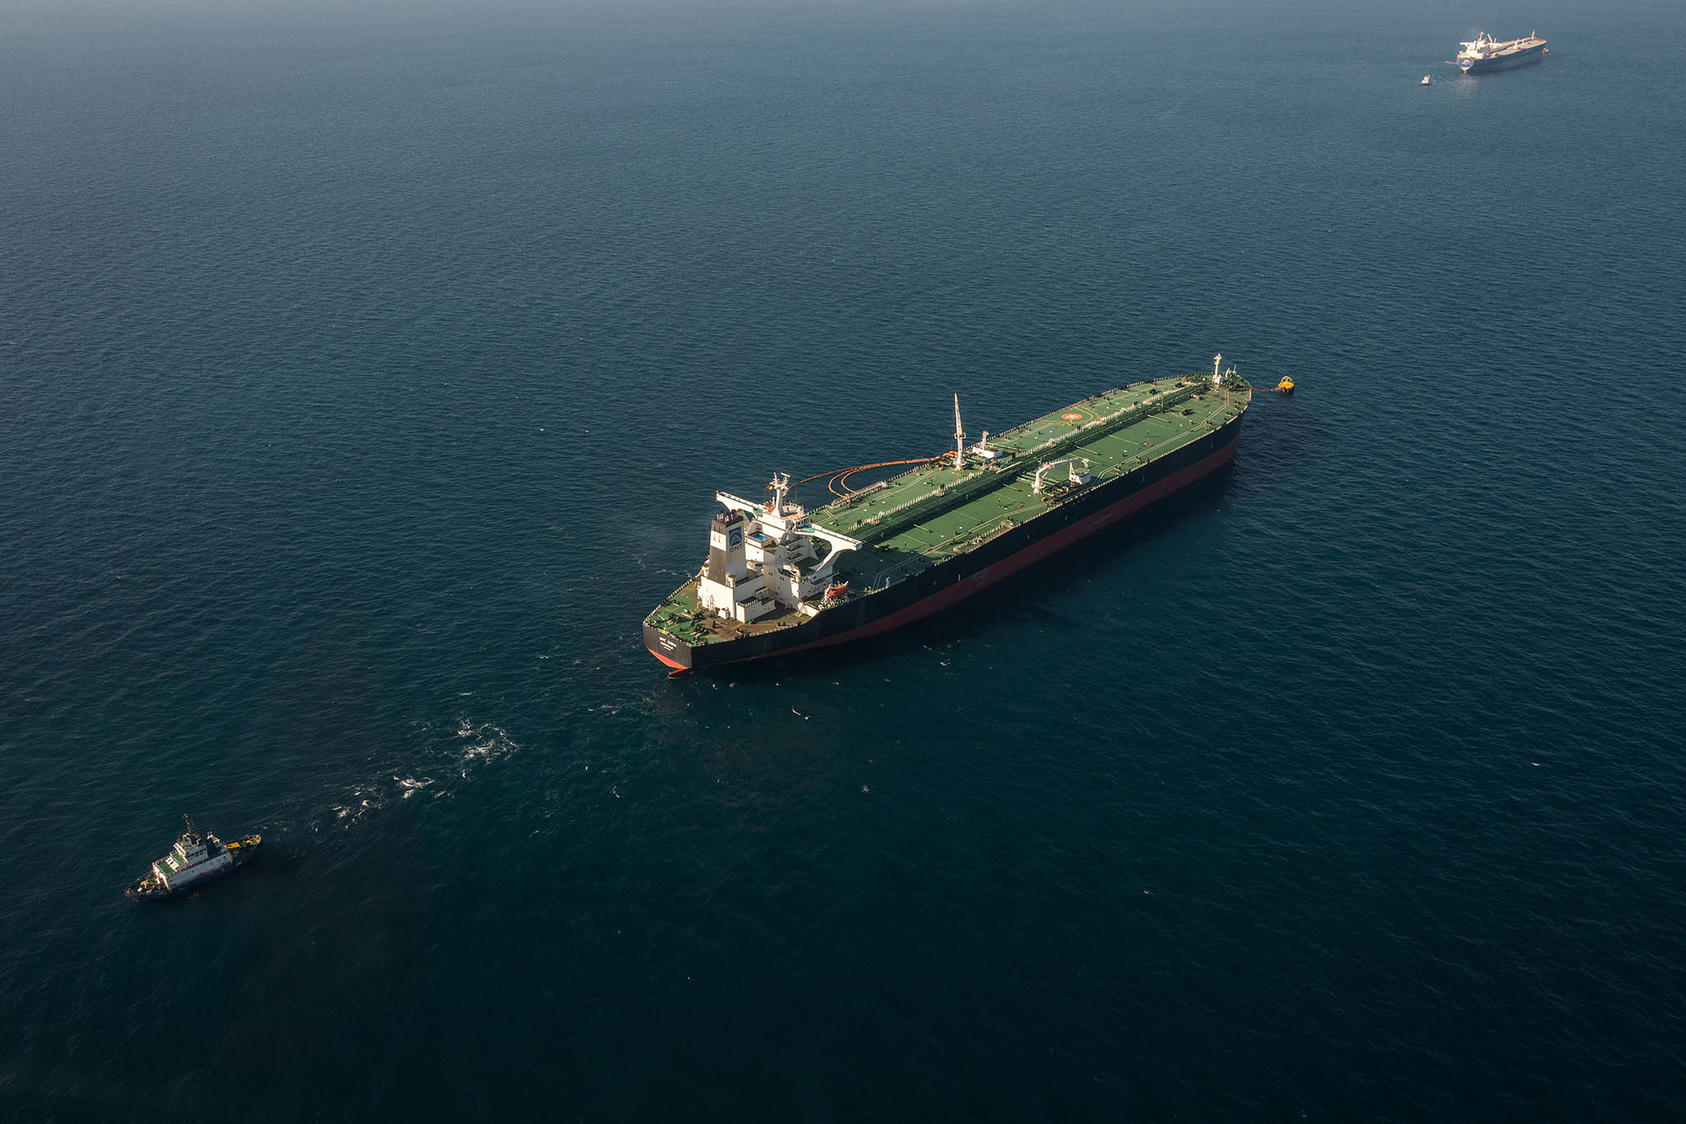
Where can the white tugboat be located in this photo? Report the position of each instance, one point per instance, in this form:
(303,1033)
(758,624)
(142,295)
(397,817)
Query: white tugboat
(194,859)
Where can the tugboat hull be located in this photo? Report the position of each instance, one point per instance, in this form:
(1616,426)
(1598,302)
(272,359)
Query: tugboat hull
(156,885)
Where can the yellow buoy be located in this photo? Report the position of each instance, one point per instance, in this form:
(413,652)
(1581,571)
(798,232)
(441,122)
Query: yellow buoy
(1286,386)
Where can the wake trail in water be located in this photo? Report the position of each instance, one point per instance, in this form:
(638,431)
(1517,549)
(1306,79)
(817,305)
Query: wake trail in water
(440,771)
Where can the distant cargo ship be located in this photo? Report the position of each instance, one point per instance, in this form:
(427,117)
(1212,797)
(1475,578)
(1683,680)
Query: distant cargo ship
(1485,53)
(779,579)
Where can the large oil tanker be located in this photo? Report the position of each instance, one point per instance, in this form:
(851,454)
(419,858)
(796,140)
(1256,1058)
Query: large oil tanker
(780,579)
(1484,53)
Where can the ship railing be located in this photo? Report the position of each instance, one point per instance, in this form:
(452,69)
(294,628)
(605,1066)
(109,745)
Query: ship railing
(886,522)
(977,538)
(883,524)
(849,500)
(1118,419)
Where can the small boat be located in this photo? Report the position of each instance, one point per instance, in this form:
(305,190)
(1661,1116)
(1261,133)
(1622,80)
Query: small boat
(1425,81)
(194,859)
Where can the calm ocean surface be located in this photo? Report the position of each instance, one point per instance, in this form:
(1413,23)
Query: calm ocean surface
(365,377)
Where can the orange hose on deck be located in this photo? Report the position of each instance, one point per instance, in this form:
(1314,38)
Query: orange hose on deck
(838,475)
(859,467)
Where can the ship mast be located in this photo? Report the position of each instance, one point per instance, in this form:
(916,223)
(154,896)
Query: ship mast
(779,486)
(959,435)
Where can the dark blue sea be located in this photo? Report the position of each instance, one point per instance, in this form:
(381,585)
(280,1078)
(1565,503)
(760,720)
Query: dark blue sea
(366,375)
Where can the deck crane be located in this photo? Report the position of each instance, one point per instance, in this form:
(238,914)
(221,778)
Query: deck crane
(1072,474)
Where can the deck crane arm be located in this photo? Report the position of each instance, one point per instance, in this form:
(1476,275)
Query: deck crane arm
(1071,473)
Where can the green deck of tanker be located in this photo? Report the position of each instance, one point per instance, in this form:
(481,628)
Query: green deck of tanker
(1164,415)
(926,516)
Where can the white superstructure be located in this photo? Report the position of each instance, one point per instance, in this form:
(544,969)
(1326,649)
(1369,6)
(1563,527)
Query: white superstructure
(193,857)
(767,558)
